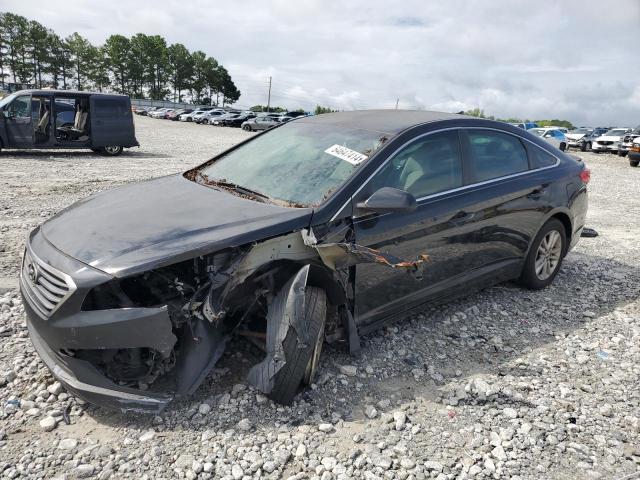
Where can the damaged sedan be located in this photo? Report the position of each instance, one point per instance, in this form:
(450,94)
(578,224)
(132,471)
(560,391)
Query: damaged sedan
(320,229)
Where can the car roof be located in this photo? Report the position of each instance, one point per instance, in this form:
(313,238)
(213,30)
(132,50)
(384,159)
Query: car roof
(68,92)
(384,121)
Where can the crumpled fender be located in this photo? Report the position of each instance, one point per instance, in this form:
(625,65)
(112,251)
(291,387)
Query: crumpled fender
(286,311)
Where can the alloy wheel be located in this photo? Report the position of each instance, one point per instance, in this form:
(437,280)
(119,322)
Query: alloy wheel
(548,254)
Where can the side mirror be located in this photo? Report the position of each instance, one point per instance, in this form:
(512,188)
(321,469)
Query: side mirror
(387,200)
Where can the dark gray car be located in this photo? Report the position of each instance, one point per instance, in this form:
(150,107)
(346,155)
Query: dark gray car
(325,226)
(67,119)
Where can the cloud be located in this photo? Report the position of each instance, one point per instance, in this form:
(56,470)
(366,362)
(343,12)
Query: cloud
(543,59)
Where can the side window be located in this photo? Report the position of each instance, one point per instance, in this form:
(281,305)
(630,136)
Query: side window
(20,107)
(495,154)
(540,158)
(429,165)
(109,108)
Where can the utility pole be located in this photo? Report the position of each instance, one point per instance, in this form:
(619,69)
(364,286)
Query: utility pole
(269,97)
(397,100)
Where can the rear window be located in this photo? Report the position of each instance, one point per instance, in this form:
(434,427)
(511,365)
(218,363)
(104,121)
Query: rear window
(108,108)
(540,158)
(495,154)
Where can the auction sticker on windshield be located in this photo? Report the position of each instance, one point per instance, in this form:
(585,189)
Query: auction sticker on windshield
(346,154)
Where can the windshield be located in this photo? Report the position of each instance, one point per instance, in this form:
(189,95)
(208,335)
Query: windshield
(616,132)
(290,164)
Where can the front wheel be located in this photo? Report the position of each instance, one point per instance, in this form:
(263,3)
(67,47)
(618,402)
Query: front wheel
(621,153)
(545,255)
(586,147)
(247,128)
(634,163)
(111,151)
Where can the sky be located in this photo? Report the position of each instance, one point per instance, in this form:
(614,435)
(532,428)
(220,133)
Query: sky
(543,59)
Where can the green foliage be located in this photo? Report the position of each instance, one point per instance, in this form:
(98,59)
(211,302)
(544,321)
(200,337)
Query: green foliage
(478,112)
(319,110)
(263,108)
(143,65)
(555,123)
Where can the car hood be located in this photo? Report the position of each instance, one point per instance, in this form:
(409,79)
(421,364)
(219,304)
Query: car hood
(575,136)
(158,222)
(608,138)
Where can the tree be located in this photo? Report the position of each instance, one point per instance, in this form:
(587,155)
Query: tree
(136,64)
(180,69)
(38,46)
(79,48)
(97,67)
(15,33)
(198,83)
(117,49)
(320,110)
(230,92)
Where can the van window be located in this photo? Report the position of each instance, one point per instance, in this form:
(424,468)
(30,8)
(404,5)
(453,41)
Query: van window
(20,107)
(112,107)
(495,154)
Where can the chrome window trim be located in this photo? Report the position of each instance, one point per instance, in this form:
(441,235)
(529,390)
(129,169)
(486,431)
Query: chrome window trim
(463,187)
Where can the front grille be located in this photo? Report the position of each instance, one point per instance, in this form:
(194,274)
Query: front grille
(605,142)
(45,287)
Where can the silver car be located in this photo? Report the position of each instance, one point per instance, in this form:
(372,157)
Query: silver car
(260,123)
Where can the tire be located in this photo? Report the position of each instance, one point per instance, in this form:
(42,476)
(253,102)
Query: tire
(634,163)
(586,147)
(247,128)
(622,154)
(111,151)
(297,355)
(563,146)
(541,268)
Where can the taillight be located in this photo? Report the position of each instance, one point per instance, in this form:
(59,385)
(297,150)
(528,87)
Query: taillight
(585,175)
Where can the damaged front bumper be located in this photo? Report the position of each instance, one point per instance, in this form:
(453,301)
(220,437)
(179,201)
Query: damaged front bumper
(62,332)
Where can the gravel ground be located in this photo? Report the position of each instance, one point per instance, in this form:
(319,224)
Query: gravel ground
(506,383)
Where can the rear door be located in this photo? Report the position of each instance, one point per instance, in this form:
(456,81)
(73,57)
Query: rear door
(18,122)
(111,121)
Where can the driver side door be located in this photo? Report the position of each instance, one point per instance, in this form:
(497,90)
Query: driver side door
(431,169)
(18,122)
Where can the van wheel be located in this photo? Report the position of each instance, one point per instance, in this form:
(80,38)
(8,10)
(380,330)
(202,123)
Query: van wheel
(545,255)
(111,151)
(301,360)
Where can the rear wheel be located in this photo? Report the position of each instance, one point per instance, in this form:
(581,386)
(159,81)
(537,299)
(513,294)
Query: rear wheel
(111,151)
(301,360)
(545,255)
(634,163)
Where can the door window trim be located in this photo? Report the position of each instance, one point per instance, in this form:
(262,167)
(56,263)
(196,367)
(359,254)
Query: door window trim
(464,187)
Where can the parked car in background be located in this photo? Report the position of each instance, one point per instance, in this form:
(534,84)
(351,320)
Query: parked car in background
(219,120)
(608,142)
(189,117)
(31,119)
(552,135)
(525,125)
(176,113)
(286,238)
(627,141)
(634,152)
(260,123)
(238,120)
(583,137)
(209,116)
(158,113)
